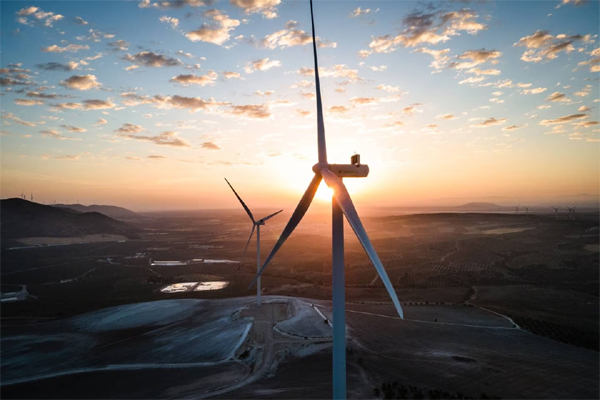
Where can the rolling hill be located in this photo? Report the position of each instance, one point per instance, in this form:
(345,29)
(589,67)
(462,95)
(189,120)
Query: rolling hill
(21,219)
(110,211)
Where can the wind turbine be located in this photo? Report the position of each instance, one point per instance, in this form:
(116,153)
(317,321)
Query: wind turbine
(341,206)
(526,210)
(556,211)
(571,212)
(517,209)
(255,225)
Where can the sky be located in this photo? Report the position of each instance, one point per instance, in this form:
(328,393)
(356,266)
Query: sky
(149,105)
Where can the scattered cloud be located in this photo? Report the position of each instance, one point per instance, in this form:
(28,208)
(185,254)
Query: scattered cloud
(542,45)
(447,117)
(167,138)
(388,88)
(55,66)
(80,21)
(562,120)
(70,48)
(74,129)
(428,28)
(217,32)
(557,96)
(292,36)
(489,122)
(151,59)
(80,82)
(513,127)
(210,146)
(263,64)
(118,45)
(338,109)
(203,80)
(28,102)
(268,8)
(101,121)
(231,75)
(250,111)
(9,118)
(534,91)
(174,22)
(35,15)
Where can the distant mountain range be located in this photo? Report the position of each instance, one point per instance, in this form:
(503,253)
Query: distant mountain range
(481,206)
(110,211)
(21,219)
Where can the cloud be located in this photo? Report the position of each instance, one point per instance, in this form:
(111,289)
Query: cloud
(167,138)
(80,82)
(387,88)
(584,92)
(55,134)
(428,28)
(9,118)
(513,127)
(28,102)
(475,57)
(593,62)
(155,157)
(478,71)
(217,32)
(337,71)
(542,45)
(186,80)
(338,109)
(268,8)
(165,4)
(174,22)
(54,66)
(562,120)
(267,93)
(75,129)
(101,121)
(263,64)
(231,75)
(210,146)
(447,117)
(489,122)
(361,101)
(34,15)
(583,109)
(534,91)
(585,124)
(68,157)
(98,104)
(303,113)
(411,109)
(250,111)
(359,11)
(191,103)
(557,96)
(291,36)
(151,59)
(119,45)
(39,95)
(440,58)
(70,48)
(80,21)
(472,79)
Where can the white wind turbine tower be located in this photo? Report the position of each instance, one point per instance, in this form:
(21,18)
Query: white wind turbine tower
(556,211)
(341,206)
(255,225)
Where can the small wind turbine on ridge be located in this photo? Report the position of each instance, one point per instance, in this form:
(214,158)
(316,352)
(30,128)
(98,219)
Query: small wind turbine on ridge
(342,206)
(255,225)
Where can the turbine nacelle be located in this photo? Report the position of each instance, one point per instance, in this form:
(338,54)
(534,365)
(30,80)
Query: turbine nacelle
(354,170)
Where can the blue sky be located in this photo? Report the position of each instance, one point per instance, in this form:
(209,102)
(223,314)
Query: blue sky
(150,104)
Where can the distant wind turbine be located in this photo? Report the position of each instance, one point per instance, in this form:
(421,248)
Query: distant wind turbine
(255,224)
(571,212)
(556,211)
(341,206)
(526,209)
(517,209)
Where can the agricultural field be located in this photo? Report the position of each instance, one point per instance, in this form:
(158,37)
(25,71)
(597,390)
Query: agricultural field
(488,299)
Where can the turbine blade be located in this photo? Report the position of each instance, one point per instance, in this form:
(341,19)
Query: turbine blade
(270,216)
(345,203)
(320,122)
(299,212)
(241,201)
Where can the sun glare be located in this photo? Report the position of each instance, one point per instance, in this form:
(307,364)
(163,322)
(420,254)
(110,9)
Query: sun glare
(324,193)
